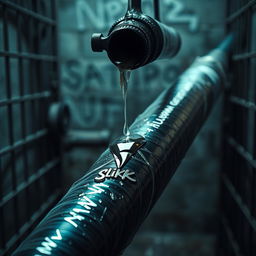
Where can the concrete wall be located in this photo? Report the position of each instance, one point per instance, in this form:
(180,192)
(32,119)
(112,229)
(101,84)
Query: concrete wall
(183,221)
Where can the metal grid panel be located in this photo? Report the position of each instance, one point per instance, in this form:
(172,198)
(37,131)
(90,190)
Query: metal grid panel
(238,231)
(29,160)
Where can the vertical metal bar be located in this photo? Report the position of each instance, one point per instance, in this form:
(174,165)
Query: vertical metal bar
(32,75)
(55,79)
(34,47)
(39,103)
(10,114)
(134,5)
(2,227)
(55,85)
(157,9)
(23,113)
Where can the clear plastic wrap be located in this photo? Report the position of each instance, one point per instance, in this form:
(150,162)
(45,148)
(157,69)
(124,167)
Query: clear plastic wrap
(101,218)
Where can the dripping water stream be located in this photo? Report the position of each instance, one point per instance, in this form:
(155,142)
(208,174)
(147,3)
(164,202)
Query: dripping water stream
(124,79)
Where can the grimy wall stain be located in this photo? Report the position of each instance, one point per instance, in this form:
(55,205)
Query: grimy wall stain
(183,220)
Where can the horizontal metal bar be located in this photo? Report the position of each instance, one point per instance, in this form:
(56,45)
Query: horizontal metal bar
(22,186)
(88,212)
(241,11)
(243,103)
(244,56)
(239,201)
(27,12)
(241,151)
(30,56)
(33,137)
(12,243)
(230,236)
(29,97)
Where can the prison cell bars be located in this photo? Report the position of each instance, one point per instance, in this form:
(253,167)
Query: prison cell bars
(238,189)
(26,161)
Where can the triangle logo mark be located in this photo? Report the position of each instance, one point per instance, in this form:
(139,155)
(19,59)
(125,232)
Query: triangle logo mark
(123,151)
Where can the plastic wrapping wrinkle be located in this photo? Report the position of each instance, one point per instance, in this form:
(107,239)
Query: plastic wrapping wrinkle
(101,218)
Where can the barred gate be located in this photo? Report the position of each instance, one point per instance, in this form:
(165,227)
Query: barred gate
(29,154)
(238,189)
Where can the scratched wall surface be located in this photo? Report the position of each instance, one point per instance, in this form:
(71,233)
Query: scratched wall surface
(183,220)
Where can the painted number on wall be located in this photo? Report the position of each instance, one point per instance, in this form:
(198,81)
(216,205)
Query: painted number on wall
(102,15)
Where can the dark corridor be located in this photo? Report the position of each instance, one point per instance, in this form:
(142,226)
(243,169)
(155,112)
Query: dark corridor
(61,107)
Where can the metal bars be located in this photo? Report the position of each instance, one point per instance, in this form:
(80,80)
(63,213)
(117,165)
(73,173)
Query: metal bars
(29,161)
(238,190)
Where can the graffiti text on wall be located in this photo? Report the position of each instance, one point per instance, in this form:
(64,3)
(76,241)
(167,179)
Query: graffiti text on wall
(105,13)
(92,93)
